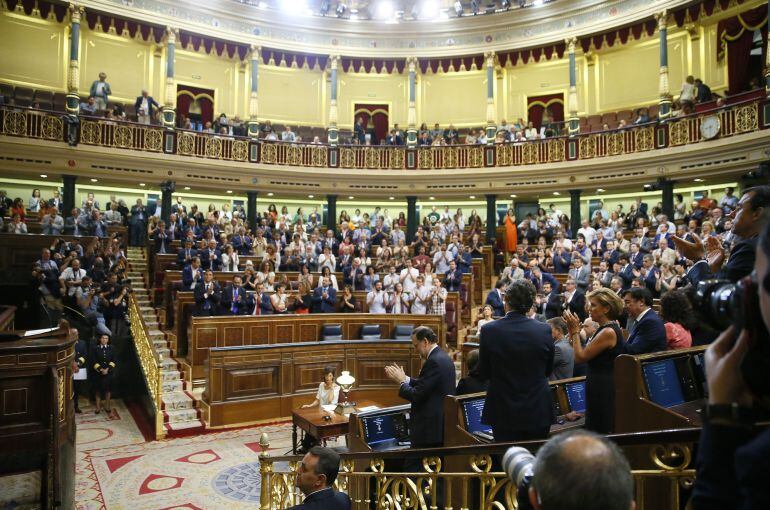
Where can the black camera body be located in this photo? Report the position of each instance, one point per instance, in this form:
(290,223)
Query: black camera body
(721,304)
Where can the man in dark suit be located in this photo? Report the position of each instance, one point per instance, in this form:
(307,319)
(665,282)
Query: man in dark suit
(562,259)
(185,254)
(207,296)
(540,278)
(564,354)
(211,257)
(626,273)
(178,208)
(145,107)
(192,274)
(453,278)
(649,334)
(495,299)
(324,297)
(516,355)
(234,299)
(161,237)
(710,258)
(550,302)
(259,303)
(574,299)
(315,478)
(426,391)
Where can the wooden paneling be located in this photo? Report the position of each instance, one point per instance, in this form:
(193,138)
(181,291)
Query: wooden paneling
(248,384)
(219,332)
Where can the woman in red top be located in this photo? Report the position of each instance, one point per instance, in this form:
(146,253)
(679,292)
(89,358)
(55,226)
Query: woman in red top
(18,208)
(677,313)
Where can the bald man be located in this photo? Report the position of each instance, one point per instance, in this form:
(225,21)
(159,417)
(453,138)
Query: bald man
(559,481)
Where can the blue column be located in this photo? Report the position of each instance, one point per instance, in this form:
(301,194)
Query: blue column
(73,76)
(169,104)
(665,94)
(574,121)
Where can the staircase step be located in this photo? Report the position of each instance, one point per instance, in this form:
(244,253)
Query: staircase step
(169,364)
(171,375)
(172,386)
(156,334)
(178,400)
(187,425)
(164,352)
(178,416)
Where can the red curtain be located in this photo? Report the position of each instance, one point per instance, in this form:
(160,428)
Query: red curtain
(378,115)
(536,106)
(736,35)
(185,95)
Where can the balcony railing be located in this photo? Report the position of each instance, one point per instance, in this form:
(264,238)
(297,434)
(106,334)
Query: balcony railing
(661,463)
(749,115)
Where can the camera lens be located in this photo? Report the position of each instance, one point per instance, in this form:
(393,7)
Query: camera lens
(517,463)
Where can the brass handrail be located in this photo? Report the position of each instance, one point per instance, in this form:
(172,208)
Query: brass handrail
(150,361)
(667,456)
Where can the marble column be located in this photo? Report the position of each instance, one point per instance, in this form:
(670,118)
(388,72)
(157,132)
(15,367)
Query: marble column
(73,72)
(574,121)
(251,209)
(253,123)
(574,211)
(491,218)
(333,132)
(411,131)
(491,115)
(411,218)
(665,93)
(331,213)
(68,194)
(169,101)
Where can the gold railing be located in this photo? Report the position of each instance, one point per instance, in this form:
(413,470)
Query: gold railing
(190,143)
(33,124)
(150,361)
(121,135)
(665,455)
(294,154)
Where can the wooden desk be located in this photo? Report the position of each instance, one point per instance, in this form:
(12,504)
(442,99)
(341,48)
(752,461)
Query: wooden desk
(311,421)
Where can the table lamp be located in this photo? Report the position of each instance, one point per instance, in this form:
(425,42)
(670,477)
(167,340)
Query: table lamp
(346,381)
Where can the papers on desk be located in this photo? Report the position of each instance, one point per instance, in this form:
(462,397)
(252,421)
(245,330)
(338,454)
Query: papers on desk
(367,409)
(33,332)
(329,407)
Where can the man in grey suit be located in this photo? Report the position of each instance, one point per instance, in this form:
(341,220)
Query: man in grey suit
(581,273)
(563,355)
(100,91)
(52,223)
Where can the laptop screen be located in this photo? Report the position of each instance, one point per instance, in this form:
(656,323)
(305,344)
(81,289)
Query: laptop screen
(576,395)
(662,381)
(379,429)
(472,410)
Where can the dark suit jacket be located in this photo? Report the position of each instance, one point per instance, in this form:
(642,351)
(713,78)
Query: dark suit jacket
(152,105)
(552,307)
(321,305)
(180,257)
(426,393)
(578,305)
(162,239)
(649,335)
(563,360)
(739,264)
(265,305)
(326,499)
(212,300)
(516,355)
(187,277)
(452,281)
(207,263)
(226,304)
(496,302)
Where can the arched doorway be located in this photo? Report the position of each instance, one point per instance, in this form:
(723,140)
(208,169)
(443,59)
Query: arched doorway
(375,119)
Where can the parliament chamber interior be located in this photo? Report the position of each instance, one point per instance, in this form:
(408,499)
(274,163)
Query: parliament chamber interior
(380,254)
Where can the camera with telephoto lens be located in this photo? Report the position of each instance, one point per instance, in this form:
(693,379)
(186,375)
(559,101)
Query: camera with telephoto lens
(722,304)
(517,464)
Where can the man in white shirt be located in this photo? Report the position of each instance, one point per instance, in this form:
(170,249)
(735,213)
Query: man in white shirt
(441,260)
(145,106)
(397,235)
(409,276)
(377,299)
(421,297)
(391,279)
(288,135)
(71,278)
(588,232)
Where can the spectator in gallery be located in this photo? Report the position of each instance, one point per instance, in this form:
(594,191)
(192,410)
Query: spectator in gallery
(702,92)
(288,135)
(642,116)
(16,226)
(359,131)
(687,94)
(100,91)
(145,107)
(88,107)
(208,128)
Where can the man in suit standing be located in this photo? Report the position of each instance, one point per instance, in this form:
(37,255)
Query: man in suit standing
(324,297)
(145,107)
(259,303)
(516,356)
(564,355)
(211,258)
(495,299)
(138,224)
(162,241)
(550,302)
(192,274)
(426,392)
(580,273)
(315,478)
(453,278)
(574,299)
(649,333)
(234,301)
(207,296)
(100,90)
(185,255)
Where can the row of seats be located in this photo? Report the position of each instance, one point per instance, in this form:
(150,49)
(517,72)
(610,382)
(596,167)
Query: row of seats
(368,332)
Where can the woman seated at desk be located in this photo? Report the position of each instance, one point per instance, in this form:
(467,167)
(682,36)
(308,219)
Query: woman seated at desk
(328,395)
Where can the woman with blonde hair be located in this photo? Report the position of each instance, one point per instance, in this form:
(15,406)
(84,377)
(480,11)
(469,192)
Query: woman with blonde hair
(606,344)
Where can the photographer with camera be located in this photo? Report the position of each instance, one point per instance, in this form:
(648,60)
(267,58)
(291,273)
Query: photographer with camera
(91,302)
(711,259)
(733,464)
(563,462)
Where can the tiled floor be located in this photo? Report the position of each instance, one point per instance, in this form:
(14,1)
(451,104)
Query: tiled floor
(117,469)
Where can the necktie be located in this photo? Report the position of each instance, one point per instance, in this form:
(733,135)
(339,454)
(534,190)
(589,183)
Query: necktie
(258,300)
(235,301)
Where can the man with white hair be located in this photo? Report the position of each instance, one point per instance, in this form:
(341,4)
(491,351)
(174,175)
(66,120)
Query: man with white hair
(145,106)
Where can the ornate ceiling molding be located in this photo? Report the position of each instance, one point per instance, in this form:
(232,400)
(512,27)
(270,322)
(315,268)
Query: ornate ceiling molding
(518,28)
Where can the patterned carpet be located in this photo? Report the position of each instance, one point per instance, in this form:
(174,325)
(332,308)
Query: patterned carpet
(117,469)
